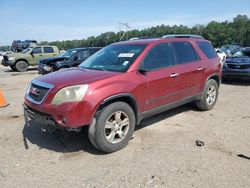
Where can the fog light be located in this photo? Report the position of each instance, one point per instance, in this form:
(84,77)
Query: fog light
(61,119)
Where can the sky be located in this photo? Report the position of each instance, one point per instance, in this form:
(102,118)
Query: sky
(50,20)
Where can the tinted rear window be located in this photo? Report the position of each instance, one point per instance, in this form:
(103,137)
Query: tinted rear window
(184,52)
(48,50)
(207,49)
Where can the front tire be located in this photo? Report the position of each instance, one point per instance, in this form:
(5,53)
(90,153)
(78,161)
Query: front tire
(21,66)
(113,127)
(209,95)
(13,67)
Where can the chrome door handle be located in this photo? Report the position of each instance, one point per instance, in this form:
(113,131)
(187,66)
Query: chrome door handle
(174,75)
(200,68)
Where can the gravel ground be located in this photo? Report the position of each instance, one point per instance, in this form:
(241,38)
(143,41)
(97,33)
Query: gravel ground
(162,152)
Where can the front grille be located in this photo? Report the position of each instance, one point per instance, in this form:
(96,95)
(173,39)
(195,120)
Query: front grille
(39,118)
(5,58)
(37,93)
(236,66)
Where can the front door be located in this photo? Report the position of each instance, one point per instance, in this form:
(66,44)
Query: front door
(36,55)
(160,86)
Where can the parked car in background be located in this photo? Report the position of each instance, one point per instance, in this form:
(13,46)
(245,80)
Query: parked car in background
(30,43)
(118,86)
(1,58)
(29,57)
(238,66)
(222,55)
(18,45)
(70,58)
(230,49)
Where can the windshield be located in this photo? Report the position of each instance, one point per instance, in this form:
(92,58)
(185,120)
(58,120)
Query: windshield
(27,50)
(68,53)
(117,58)
(242,53)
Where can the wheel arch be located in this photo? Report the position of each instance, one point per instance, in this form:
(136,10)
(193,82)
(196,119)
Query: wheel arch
(124,97)
(22,60)
(215,77)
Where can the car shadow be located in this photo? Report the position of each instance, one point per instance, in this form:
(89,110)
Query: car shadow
(237,81)
(67,142)
(165,115)
(63,142)
(14,71)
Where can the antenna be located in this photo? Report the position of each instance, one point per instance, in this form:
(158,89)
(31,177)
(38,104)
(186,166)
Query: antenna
(123,27)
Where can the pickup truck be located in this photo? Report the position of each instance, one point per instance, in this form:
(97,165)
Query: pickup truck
(29,57)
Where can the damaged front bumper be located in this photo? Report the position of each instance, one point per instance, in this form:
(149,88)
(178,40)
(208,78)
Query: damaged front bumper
(45,121)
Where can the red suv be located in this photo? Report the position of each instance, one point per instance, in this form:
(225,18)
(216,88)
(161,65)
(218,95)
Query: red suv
(113,90)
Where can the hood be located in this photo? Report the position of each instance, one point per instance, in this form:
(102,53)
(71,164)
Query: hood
(240,60)
(52,60)
(75,76)
(19,55)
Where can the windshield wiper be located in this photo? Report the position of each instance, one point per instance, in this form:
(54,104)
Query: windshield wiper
(95,68)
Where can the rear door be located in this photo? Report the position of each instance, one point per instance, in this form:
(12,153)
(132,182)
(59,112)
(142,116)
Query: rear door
(190,69)
(160,83)
(49,52)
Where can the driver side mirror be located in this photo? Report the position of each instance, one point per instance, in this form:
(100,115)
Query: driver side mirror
(76,58)
(31,53)
(143,70)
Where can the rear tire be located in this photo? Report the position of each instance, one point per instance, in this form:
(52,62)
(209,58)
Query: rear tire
(21,66)
(113,127)
(209,95)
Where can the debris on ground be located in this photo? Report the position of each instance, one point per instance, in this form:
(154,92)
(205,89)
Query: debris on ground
(243,156)
(199,143)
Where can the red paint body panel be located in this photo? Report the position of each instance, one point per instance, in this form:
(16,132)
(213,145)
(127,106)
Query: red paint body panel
(150,90)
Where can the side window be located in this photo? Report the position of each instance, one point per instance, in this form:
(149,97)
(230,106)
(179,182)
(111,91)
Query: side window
(92,51)
(207,49)
(48,50)
(83,54)
(37,50)
(158,57)
(184,52)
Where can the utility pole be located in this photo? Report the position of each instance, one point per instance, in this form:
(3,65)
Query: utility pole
(123,27)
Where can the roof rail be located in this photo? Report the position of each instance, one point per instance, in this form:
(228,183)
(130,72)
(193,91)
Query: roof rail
(140,38)
(183,36)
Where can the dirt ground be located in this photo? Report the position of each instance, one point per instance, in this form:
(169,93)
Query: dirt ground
(162,152)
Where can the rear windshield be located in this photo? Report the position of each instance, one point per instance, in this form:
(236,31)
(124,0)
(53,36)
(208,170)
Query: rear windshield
(207,49)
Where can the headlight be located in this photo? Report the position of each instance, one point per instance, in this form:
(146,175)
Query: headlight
(11,58)
(70,94)
(28,89)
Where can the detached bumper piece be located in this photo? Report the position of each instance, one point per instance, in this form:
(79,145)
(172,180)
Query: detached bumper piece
(44,121)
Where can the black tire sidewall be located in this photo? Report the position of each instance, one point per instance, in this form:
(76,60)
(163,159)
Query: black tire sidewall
(205,105)
(99,135)
(13,67)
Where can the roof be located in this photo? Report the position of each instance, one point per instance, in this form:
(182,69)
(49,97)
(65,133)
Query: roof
(164,38)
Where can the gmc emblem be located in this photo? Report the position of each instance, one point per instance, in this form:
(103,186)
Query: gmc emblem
(34,91)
